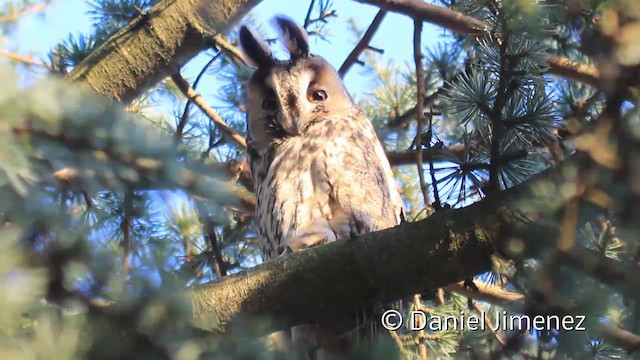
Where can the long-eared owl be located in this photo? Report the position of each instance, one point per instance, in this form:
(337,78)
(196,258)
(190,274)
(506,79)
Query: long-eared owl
(319,170)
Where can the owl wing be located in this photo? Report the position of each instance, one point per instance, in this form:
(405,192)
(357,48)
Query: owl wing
(357,178)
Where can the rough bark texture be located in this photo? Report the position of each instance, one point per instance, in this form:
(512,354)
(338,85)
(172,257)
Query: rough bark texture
(395,263)
(156,44)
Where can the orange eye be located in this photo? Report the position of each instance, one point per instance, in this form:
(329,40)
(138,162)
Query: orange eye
(270,104)
(317,95)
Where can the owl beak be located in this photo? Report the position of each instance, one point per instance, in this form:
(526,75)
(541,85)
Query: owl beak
(290,124)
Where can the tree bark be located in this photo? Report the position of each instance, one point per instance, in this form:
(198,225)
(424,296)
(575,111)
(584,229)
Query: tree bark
(156,44)
(395,263)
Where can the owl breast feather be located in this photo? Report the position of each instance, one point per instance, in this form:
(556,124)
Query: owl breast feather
(331,182)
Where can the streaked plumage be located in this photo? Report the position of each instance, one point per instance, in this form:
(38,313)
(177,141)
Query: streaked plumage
(319,170)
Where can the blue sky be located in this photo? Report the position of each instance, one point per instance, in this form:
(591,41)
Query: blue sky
(36,34)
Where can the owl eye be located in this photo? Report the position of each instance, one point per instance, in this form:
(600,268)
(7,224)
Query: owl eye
(270,104)
(317,95)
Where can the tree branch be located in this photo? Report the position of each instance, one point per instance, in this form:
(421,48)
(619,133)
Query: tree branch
(417,142)
(467,25)
(18,58)
(155,45)
(182,123)
(394,263)
(491,293)
(363,44)
(193,96)
(153,174)
(224,171)
(38,8)
(444,17)
(514,301)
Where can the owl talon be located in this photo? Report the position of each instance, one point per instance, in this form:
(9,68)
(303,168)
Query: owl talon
(286,251)
(304,243)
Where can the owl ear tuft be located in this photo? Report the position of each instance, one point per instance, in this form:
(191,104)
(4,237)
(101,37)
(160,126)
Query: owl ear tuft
(294,37)
(255,50)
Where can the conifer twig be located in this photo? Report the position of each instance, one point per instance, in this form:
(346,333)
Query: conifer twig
(225,46)
(197,99)
(403,119)
(417,56)
(185,113)
(467,25)
(125,227)
(307,19)
(38,8)
(362,44)
(490,293)
(153,172)
(18,58)
(432,170)
(218,264)
(495,113)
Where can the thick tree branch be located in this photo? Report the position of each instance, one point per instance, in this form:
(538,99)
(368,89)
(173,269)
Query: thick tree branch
(394,263)
(156,44)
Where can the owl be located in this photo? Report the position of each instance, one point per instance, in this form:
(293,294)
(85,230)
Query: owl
(320,172)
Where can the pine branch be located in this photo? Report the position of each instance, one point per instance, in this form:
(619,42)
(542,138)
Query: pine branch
(34,9)
(444,17)
(18,58)
(570,69)
(307,19)
(363,44)
(417,58)
(404,118)
(226,171)
(226,47)
(125,227)
(495,113)
(218,263)
(513,301)
(468,25)
(153,174)
(180,30)
(396,158)
(197,99)
(491,293)
(185,113)
(391,264)
(489,324)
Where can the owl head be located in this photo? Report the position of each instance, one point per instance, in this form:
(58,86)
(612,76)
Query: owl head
(286,97)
